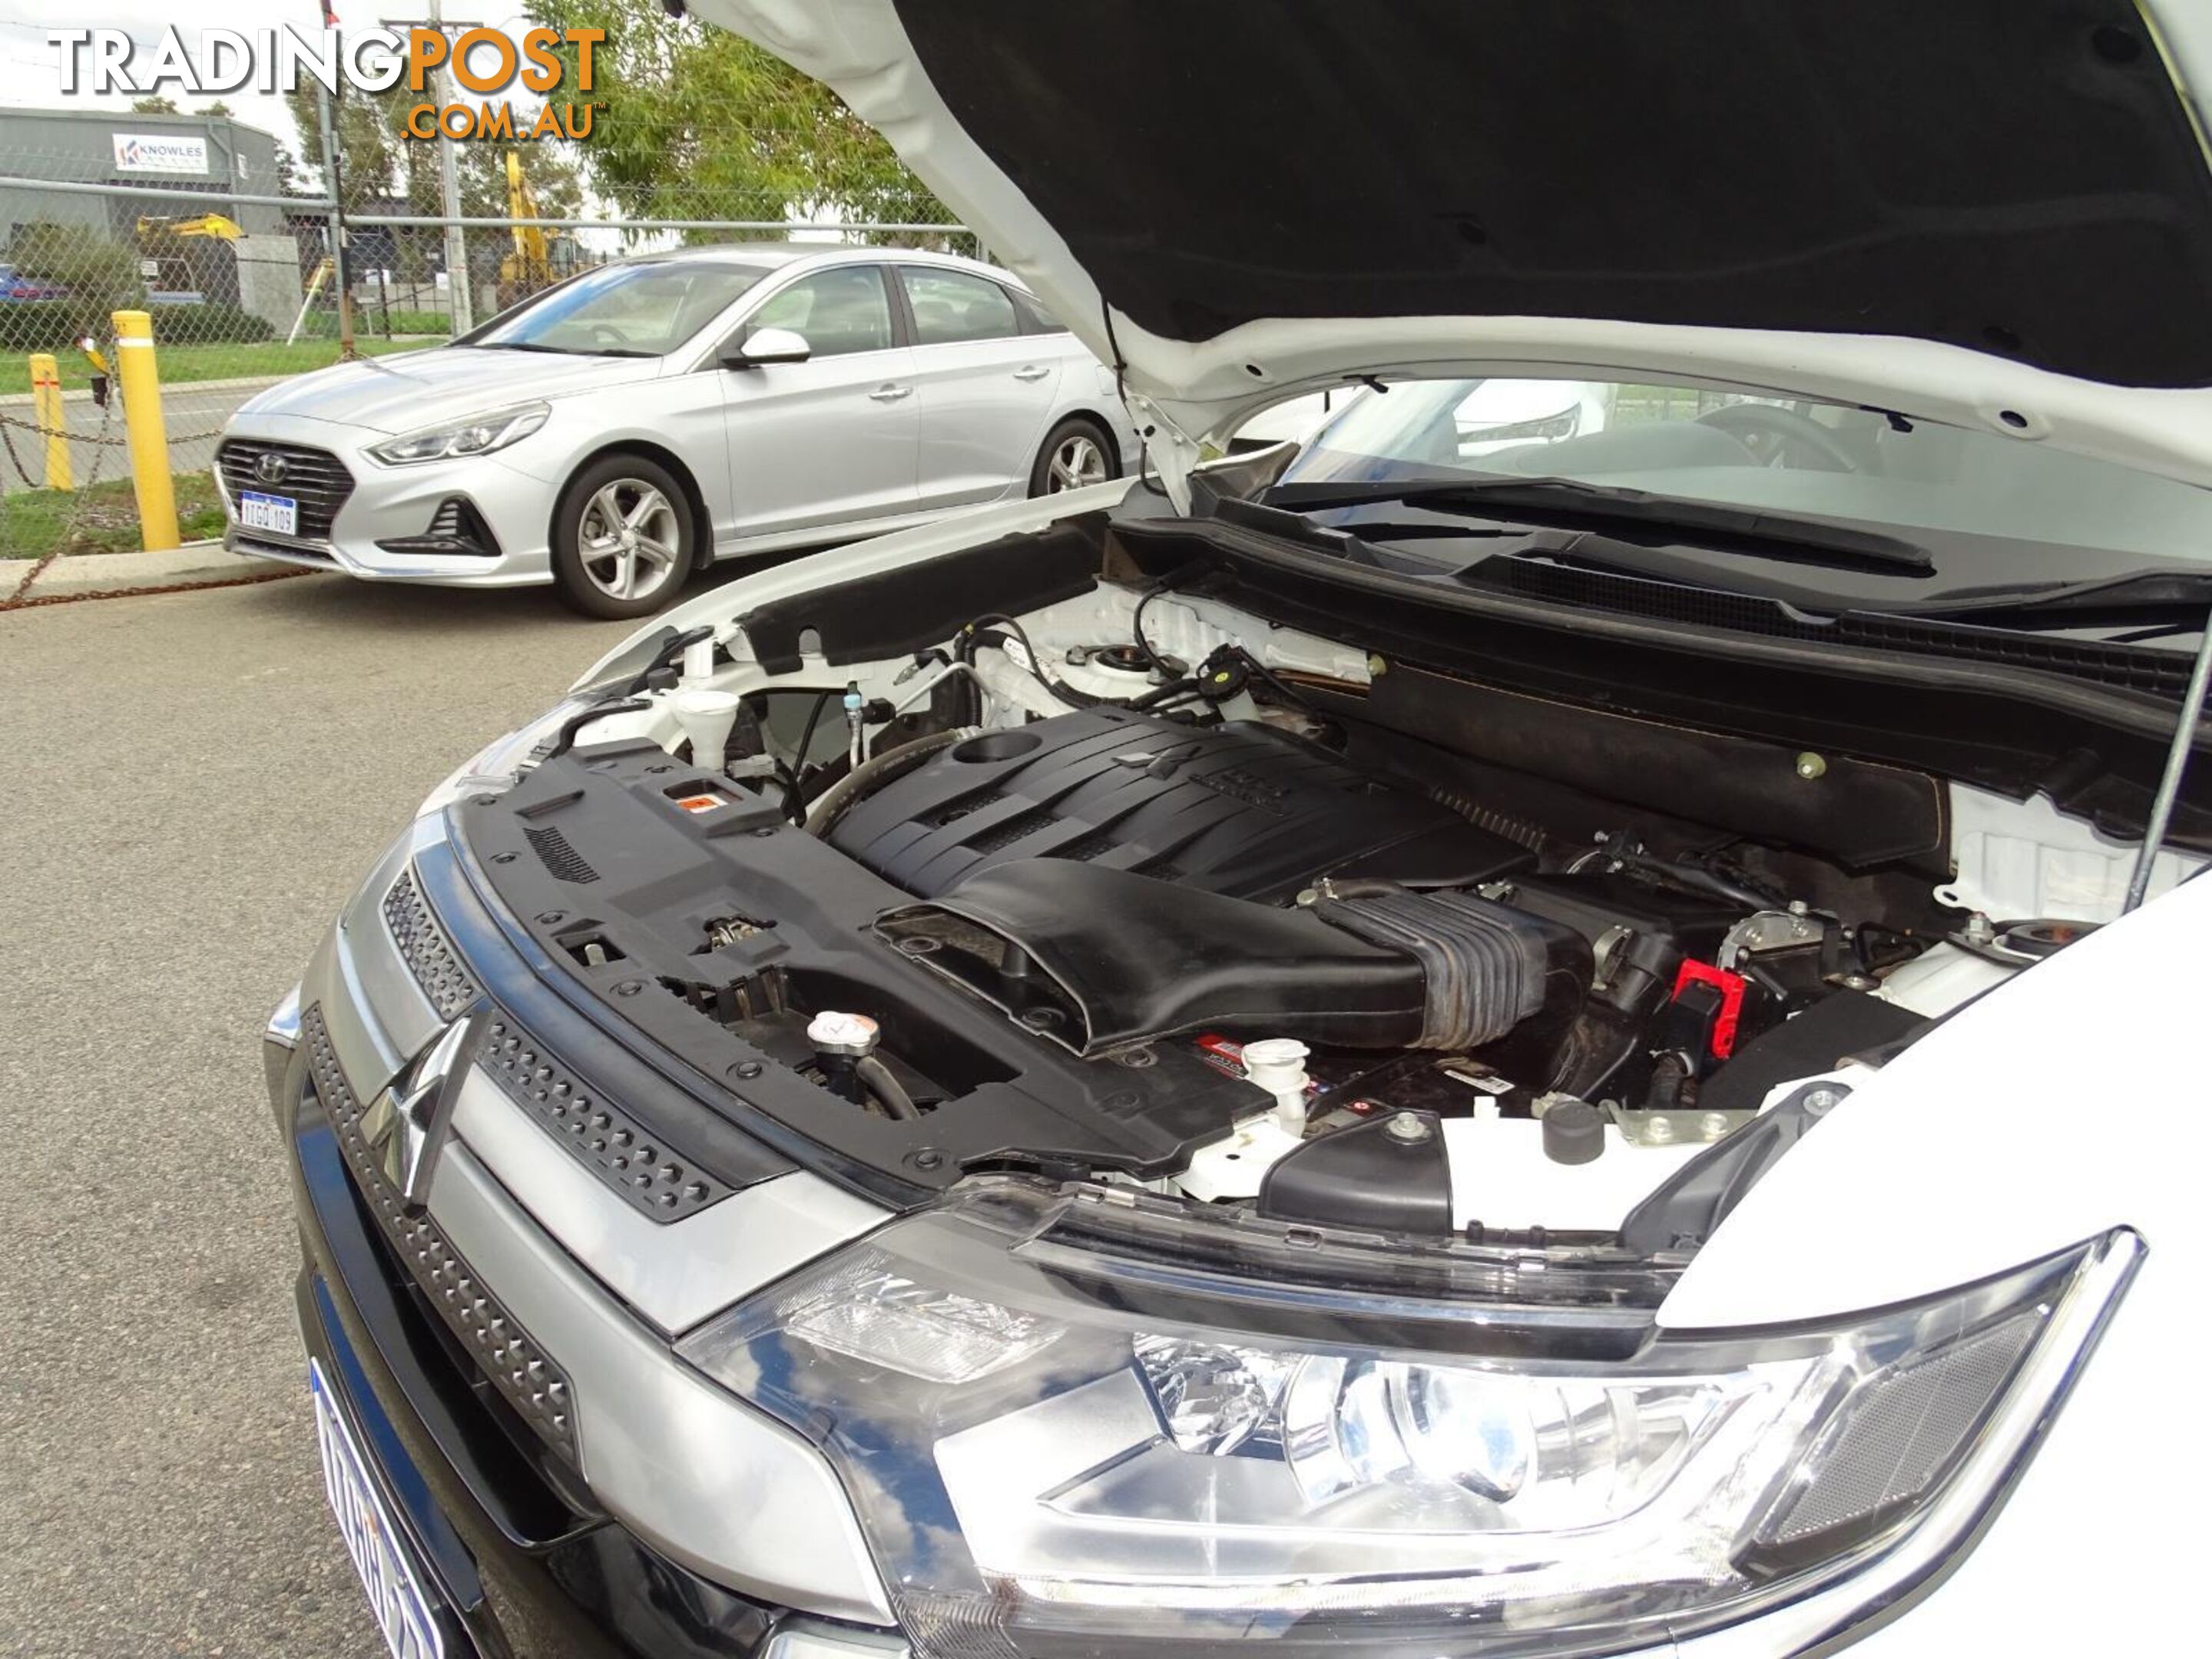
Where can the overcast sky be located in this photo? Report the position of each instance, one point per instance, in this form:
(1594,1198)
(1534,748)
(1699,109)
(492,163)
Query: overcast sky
(30,66)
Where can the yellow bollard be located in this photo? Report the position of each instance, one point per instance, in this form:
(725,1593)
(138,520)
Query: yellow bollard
(46,405)
(150,440)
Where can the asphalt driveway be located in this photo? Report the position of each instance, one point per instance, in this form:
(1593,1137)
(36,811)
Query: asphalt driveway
(189,786)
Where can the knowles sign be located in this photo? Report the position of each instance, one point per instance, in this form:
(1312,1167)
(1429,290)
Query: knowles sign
(161,152)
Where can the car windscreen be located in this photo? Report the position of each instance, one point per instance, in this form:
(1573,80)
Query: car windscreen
(645,310)
(2048,514)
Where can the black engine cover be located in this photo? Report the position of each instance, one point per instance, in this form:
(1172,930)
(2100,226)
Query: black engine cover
(1240,809)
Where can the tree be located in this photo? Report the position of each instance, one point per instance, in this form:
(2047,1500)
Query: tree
(368,144)
(155,106)
(99,273)
(218,107)
(697,123)
(289,181)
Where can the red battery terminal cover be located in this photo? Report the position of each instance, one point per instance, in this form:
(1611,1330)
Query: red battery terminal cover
(1731,989)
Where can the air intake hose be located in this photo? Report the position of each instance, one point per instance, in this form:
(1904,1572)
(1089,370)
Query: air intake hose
(1486,966)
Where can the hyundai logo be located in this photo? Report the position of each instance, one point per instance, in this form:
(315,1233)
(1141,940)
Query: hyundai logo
(272,470)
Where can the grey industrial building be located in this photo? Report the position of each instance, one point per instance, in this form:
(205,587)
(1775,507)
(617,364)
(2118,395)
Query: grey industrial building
(178,159)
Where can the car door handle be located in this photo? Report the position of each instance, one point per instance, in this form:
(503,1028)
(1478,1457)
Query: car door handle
(1031,371)
(889,392)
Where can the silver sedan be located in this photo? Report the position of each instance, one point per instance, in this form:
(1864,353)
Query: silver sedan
(650,416)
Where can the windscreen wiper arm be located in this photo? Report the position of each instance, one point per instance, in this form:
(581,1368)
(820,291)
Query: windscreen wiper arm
(2133,596)
(1633,515)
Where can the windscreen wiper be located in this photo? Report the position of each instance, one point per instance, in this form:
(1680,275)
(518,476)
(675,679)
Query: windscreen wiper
(1633,515)
(2148,596)
(524,345)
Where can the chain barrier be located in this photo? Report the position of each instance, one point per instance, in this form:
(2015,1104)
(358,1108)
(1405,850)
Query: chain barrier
(84,501)
(176,439)
(7,424)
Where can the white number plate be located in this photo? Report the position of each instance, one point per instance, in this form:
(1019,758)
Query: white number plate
(278,513)
(372,1538)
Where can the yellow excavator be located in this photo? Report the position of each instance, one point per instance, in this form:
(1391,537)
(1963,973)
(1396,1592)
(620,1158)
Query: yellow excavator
(198,224)
(172,265)
(538,258)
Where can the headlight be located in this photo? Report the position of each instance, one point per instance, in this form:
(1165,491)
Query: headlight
(494,767)
(479,434)
(1048,1456)
(1563,425)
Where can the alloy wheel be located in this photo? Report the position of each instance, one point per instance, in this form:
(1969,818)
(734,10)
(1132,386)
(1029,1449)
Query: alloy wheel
(629,539)
(1079,461)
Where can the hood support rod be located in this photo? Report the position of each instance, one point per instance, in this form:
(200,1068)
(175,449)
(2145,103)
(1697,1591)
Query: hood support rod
(2177,763)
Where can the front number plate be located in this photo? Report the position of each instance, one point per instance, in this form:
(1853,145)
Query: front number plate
(372,1538)
(280,513)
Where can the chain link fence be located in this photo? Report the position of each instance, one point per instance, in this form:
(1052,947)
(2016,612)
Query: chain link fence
(253,270)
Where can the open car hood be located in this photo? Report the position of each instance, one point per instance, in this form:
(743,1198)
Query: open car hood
(1995,213)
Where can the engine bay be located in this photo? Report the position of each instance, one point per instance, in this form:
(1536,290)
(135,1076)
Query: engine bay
(1217,922)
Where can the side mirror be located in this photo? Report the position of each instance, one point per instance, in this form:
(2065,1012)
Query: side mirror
(768,345)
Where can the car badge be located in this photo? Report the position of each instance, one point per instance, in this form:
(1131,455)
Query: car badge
(407,1124)
(272,470)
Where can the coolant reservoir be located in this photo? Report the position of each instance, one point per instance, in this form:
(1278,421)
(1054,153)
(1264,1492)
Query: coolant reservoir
(1278,1066)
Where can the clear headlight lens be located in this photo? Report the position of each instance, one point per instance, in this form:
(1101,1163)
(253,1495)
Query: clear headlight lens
(494,767)
(479,434)
(1045,1460)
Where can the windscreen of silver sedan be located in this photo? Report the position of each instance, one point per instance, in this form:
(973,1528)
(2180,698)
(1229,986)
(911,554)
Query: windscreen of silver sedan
(641,310)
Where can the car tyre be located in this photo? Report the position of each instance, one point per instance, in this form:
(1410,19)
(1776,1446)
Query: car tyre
(1075,453)
(624,538)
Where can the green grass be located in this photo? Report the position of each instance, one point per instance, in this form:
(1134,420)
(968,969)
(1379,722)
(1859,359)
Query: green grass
(180,365)
(101,520)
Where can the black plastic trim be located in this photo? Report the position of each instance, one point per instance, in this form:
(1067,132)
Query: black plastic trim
(534,1388)
(651,1178)
(531,988)
(2098,752)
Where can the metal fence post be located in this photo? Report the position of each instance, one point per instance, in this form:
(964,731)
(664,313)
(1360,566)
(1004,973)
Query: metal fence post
(46,407)
(141,419)
(333,181)
(460,303)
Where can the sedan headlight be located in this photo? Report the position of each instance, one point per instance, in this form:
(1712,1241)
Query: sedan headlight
(1049,1455)
(479,434)
(1565,424)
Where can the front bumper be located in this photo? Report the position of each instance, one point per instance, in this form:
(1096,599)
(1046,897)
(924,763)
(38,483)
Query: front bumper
(536,1534)
(389,504)
(514,1563)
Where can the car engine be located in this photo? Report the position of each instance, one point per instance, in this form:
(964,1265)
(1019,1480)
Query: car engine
(1208,956)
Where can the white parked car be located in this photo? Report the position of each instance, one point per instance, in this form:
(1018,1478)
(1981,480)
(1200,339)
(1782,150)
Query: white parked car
(648,418)
(1595,1048)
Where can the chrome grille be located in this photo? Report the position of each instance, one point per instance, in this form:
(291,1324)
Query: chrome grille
(509,1359)
(315,478)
